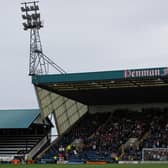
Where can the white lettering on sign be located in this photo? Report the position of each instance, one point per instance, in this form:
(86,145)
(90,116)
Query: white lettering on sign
(141,73)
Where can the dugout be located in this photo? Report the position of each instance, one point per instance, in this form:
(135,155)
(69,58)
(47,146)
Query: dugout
(69,96)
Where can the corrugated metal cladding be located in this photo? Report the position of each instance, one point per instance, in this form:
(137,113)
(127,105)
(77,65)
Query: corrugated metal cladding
(21,118)
(66,111)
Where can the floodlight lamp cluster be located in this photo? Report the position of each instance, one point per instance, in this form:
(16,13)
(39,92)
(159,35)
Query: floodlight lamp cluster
(31,16)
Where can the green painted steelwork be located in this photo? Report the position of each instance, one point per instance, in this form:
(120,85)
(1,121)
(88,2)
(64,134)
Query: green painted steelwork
(99,76)
(75,77)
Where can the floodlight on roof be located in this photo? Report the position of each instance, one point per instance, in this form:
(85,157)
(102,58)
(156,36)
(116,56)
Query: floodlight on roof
(30,14)
(36,7)
(23,9)
(35,16)
(32,8)
(27,17)
(27,9)
(24,17)
(25,26)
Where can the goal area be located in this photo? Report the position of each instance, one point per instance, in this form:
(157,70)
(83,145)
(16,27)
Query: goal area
(155,154)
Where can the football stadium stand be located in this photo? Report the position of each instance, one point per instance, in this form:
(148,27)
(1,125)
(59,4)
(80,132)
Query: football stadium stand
(22,133)
(106,116)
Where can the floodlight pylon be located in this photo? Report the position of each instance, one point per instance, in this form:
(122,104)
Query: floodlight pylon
(39,63)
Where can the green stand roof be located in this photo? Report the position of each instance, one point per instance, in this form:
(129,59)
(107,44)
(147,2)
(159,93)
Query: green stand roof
(17,118)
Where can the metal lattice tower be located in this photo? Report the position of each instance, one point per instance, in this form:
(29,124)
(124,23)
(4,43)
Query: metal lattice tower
(39,63)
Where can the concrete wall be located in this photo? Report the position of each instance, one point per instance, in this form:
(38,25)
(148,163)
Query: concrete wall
(66,111)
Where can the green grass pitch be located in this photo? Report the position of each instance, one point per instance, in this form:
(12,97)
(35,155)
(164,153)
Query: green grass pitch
(87,166)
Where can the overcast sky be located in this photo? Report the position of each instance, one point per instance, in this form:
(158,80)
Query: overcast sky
(81,36)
